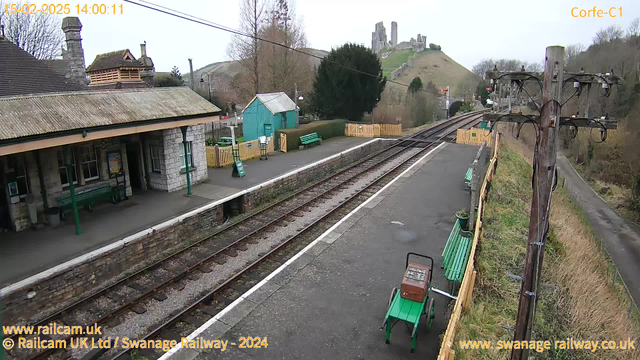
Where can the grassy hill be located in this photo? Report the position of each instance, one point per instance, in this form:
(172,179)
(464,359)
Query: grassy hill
(228,69)
(429,65)
(395,60)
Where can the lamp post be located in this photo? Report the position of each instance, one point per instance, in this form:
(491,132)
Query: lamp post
(297,97)
(208,82)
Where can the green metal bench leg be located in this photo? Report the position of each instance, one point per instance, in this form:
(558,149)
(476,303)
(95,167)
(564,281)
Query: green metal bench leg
(386,339)
(414,337)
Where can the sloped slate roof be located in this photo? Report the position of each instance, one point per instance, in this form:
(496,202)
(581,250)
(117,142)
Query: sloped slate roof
(113,60)
(276,102)
(23,116)
(21,73)
(59,66)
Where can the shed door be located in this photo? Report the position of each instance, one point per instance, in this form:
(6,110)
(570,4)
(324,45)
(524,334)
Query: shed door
(268,130)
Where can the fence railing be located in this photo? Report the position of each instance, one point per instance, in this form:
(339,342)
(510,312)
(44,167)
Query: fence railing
(473,136)
(223,156)
(372,130)
(466,288)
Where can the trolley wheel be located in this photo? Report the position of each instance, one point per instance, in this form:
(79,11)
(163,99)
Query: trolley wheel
(393,293)
(431,312)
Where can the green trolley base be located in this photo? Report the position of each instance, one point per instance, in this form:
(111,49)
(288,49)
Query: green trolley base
(409,311)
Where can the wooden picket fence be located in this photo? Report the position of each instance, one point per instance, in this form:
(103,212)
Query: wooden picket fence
(372,130)
(466,288)
(223,156)
(473,136)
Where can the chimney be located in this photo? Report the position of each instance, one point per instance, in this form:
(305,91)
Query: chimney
(74,55)
(149,70)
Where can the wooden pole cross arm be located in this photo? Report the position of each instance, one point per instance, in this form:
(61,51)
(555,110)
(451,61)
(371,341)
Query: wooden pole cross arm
(597,123)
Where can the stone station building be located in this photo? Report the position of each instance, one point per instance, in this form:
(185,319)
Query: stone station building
(128,139)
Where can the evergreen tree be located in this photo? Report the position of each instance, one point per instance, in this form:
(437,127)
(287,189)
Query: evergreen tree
(175,73)
(339,91)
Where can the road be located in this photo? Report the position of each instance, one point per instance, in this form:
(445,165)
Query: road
(621,237)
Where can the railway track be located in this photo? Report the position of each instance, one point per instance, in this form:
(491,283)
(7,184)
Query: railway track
(108,306)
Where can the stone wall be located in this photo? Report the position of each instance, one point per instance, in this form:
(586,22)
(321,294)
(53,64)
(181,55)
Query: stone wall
(173,147)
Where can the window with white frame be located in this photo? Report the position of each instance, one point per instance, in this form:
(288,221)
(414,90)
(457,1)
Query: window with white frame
(62,169)
(189,155)
(156,158)
(89,162)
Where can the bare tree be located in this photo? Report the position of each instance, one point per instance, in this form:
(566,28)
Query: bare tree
(534,67)
(634,28)
(571,52)
(245,50)
(40,35)
(609,34)
(283,67)
(482,67)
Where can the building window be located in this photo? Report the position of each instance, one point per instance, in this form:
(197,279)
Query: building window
(156,158)
(21,187)
(89,162)
(64,179)
(189,155)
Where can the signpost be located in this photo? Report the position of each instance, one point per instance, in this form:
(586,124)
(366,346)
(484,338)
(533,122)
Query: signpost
(238,169)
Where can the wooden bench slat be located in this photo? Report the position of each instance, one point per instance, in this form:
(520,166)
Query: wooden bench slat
(86,197)
(456,252)
(310,138)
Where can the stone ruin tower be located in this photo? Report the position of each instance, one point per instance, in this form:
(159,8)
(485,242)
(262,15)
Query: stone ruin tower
(394,34)
(379,38)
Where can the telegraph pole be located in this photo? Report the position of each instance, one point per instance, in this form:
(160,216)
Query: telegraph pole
(544,178)
(547,126)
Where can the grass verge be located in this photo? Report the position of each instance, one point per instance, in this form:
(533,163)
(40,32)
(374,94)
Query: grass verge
(580,299)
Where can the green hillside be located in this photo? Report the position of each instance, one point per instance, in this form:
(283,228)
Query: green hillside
(395,60)
(430,65)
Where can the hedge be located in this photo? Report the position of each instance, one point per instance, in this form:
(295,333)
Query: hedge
(326,129)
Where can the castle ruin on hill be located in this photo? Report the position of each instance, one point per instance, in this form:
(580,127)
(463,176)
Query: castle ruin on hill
(380,44)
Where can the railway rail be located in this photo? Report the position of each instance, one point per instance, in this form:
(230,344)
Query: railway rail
(106,306)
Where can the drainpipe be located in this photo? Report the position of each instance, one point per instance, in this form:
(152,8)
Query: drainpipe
(74,204)
(186,157)
(43,189)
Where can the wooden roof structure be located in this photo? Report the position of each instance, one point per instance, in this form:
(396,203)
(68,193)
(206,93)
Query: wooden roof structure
(71,117)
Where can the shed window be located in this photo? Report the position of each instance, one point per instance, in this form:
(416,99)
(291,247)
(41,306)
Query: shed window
(156,158)
(89,159)
(62,169)
(189,155)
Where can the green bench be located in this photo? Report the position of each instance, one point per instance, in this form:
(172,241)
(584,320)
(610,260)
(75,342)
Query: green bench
(456,253)
(86,198)
(468,176)
(310,139)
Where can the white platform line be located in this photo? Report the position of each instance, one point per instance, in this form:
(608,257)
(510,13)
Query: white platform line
(257,286)
(137,236)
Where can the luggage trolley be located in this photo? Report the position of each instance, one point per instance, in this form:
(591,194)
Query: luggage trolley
(412,300)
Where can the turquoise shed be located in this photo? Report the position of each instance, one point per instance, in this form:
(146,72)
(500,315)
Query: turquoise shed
(267,113)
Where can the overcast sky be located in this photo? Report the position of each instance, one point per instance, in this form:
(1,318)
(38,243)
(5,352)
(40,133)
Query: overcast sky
(467,30)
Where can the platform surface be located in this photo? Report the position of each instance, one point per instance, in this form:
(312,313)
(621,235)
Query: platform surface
(331,301)
(28,252)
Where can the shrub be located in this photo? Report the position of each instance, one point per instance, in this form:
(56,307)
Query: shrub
(326,129)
